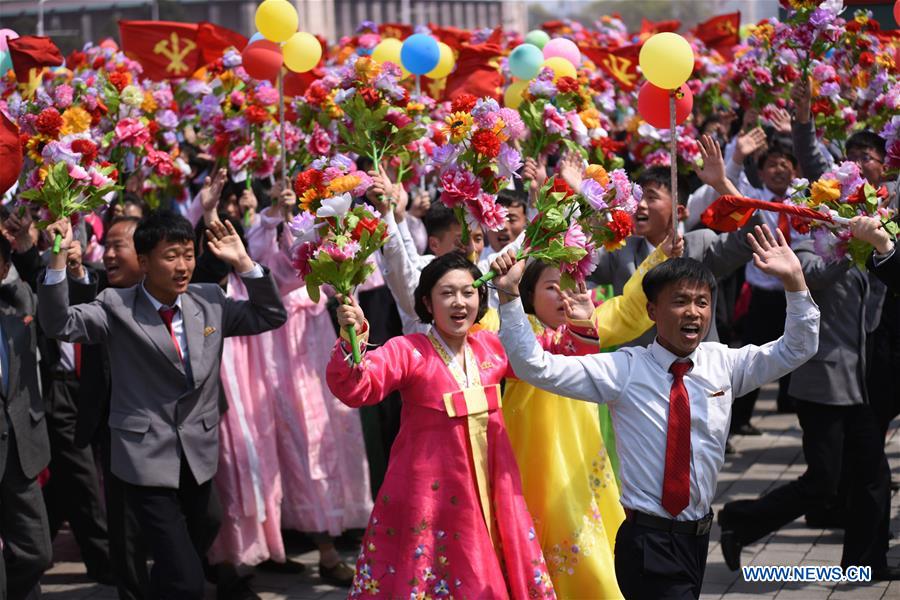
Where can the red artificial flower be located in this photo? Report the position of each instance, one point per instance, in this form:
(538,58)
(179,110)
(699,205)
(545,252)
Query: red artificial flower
(316,93)
(567,85)
(866,60)
(398,119)
(859,196)
(119,80)
(559,185)
(621,225)
(153,128)
(370,225)
(49,122)
(463,103)
(370,95)
(800,225)
(822,107)
(402,102)
(114,174)
(98,63)
(439,138)
(76,59)
(87,149)
(256,115)
(609,146)
(221,145)
(308,179)
(486,143)
(598,84)
(853,26)
(790,73)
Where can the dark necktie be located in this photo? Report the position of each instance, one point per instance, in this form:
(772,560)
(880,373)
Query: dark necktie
(677,476)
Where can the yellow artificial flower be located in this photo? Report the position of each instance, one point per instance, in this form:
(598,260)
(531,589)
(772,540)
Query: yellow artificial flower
(499,127)
(367,69)
(306,200)
(861,79)
(343,184)
(33,147)
(227,79)
(149,104)
(825,190)
(885,60)
(590,117)
(331,109)
(598,174)
(459,124)
(415,107)
(75,120)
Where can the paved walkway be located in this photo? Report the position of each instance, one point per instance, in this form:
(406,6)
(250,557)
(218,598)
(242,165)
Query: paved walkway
(762,462)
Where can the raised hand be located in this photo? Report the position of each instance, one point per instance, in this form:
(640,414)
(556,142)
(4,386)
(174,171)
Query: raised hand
(869,229)
(748,143)
(802,98)
(247,201)
(712,173)
(19,227)
(509,270)
(226,245)
(773,255)
(380,194)
(74,260)
(672,246)
(571,169)
(211,191)
(577,303)
(781,120)
(535,172)
(349,314)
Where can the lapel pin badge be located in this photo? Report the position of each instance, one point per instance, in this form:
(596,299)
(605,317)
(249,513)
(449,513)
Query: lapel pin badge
(209,331)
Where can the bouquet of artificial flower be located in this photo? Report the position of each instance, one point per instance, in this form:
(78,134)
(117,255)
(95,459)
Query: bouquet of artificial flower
(333,246)
(551,112)
(326,178)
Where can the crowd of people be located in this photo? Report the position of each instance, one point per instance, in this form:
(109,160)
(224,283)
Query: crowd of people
(176,392)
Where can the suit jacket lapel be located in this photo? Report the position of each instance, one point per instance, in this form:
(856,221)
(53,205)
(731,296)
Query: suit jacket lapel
(11,327)
(154,328)
(193,324)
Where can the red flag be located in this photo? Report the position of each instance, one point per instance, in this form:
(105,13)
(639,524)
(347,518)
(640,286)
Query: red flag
(395,30)
(32,52)
(477,72)
(721,33)
(621,64)
(215,40)
(730,213)
(649,28)
(452,36)
(10,153)
(165,49)
(556,27)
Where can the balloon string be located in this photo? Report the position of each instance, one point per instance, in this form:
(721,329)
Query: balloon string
(673,171)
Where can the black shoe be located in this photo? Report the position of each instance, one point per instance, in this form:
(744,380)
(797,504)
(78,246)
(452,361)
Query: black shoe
(886,574)
(729,449)
(340,575)
(785,406)
(238,589)
(101,576)
(288,567)
(746,429)
(731,549)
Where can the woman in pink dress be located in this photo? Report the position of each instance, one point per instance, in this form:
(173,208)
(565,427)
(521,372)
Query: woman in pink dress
(450,518)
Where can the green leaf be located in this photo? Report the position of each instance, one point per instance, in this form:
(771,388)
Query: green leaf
(313,290)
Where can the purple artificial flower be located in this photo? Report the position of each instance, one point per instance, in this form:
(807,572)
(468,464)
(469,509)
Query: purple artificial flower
(58,151)
(515,128)
(167,119)
(445,156)
(509,161)
(594,193)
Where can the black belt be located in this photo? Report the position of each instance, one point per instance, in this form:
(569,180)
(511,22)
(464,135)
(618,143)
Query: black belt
(700,527)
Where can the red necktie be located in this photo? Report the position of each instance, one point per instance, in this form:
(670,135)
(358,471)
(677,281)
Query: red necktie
(784,223)
(77,348)
(677,476)
(167,314)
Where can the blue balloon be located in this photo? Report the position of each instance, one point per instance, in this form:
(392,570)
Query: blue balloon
(525,61)
(255,38)
(5,63)
(420,54)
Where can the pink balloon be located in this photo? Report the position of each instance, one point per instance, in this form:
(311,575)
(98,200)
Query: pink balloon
(6,34)
(563,48)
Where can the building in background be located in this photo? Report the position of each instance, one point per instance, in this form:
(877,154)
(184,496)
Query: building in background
(71,23)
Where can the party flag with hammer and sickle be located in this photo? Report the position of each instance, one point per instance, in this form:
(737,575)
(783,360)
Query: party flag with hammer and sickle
(721,33)
(166,50)
(621,64)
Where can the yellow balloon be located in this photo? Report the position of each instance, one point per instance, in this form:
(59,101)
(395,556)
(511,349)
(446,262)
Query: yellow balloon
(302,52)
(667,60)
(388,50)
(445,63)
(560,67)
(277,20)
(513,96)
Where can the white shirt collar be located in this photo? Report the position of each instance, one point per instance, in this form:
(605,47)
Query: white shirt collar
(156,303)
(664,358)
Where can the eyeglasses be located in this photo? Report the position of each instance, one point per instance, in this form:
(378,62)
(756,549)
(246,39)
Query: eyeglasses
(864,159)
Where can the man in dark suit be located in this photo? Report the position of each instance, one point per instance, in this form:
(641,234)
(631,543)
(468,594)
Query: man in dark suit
(24,447)
(164,339)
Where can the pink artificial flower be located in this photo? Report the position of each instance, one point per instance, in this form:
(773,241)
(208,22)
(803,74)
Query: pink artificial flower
(161,162)
(301,254)
(398,119)
(576,238)
(459,186)
(554,121)
(131,132)
(241,157)
(485,211)
(267,95)
(319,142)
(237,98)
(63,96)
(340,253)
(99,180)
(78,173)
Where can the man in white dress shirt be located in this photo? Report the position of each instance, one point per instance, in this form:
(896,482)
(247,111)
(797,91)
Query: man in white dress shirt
(670,404)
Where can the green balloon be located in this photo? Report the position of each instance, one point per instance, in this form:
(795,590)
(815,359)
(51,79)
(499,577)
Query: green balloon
(537,38)
(5,63)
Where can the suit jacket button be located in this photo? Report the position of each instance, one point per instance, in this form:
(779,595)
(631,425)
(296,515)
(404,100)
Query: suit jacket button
(4,435)
(180,427)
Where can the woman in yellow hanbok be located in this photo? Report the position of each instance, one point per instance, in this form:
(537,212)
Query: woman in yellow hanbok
(567,479)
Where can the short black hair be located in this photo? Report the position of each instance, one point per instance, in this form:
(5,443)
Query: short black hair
(511,198)
(528,285)
(438,219)
(125,219)
(161,226)
(5,249)
(778,148)
(661,176)
(675,270)
(866,140)
(433,272)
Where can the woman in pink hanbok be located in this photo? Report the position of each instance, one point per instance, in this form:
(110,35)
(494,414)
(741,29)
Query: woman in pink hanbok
(290,420)
(450,519)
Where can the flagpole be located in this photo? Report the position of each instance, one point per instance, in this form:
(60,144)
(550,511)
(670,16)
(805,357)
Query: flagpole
(673,164)
(281,119)
(421,149)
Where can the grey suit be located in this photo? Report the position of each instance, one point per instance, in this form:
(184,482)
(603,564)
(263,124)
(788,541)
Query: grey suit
(156,414)
(24,449)
(722,253)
